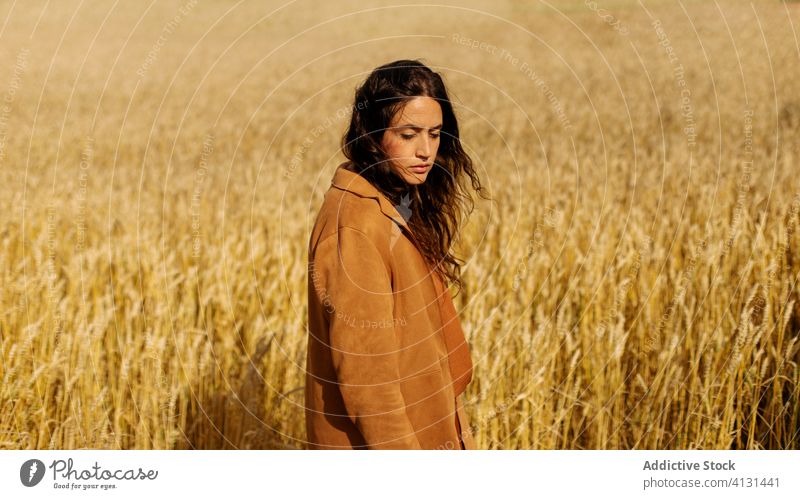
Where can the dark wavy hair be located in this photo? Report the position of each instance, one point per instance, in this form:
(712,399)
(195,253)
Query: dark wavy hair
(439,202)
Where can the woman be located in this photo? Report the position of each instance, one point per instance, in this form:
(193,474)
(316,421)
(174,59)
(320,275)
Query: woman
(387,359)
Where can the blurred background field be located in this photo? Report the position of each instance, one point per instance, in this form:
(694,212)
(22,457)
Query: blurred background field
(632,284)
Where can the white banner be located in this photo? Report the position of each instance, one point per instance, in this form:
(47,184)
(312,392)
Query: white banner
(415,474)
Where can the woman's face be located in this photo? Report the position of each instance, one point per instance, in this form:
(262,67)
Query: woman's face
(412,139)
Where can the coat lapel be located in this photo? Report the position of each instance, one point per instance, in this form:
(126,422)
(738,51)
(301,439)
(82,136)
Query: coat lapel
(353,182)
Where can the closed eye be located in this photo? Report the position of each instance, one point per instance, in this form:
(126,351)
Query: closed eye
(410,136)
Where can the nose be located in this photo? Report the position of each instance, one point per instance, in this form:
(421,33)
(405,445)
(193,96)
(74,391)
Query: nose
(424,148)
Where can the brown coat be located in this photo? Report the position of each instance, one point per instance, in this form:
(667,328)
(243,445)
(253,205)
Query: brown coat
(377,371)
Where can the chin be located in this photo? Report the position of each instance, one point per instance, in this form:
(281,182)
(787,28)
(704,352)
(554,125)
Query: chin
(410,177)
(416,179)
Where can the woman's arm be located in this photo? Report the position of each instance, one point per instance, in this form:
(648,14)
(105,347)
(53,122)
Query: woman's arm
(363,343)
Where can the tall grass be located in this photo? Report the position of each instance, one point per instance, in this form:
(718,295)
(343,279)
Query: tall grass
(631,285)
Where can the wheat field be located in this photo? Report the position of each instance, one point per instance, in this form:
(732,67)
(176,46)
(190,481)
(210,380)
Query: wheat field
(631,283)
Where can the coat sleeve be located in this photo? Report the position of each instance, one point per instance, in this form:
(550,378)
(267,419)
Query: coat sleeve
(363,342)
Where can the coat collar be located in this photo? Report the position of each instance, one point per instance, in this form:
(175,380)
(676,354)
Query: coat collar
(353,182)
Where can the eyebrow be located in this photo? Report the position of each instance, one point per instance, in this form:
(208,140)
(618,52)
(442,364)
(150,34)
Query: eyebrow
(415,127)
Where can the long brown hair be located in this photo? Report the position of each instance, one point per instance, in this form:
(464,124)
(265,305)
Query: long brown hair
(439,202)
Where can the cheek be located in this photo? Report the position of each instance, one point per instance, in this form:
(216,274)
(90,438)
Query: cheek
(394,148)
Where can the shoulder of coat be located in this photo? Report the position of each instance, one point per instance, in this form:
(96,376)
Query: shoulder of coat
(346,210)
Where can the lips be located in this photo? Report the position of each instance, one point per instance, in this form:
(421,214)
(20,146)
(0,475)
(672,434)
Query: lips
(420,168)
